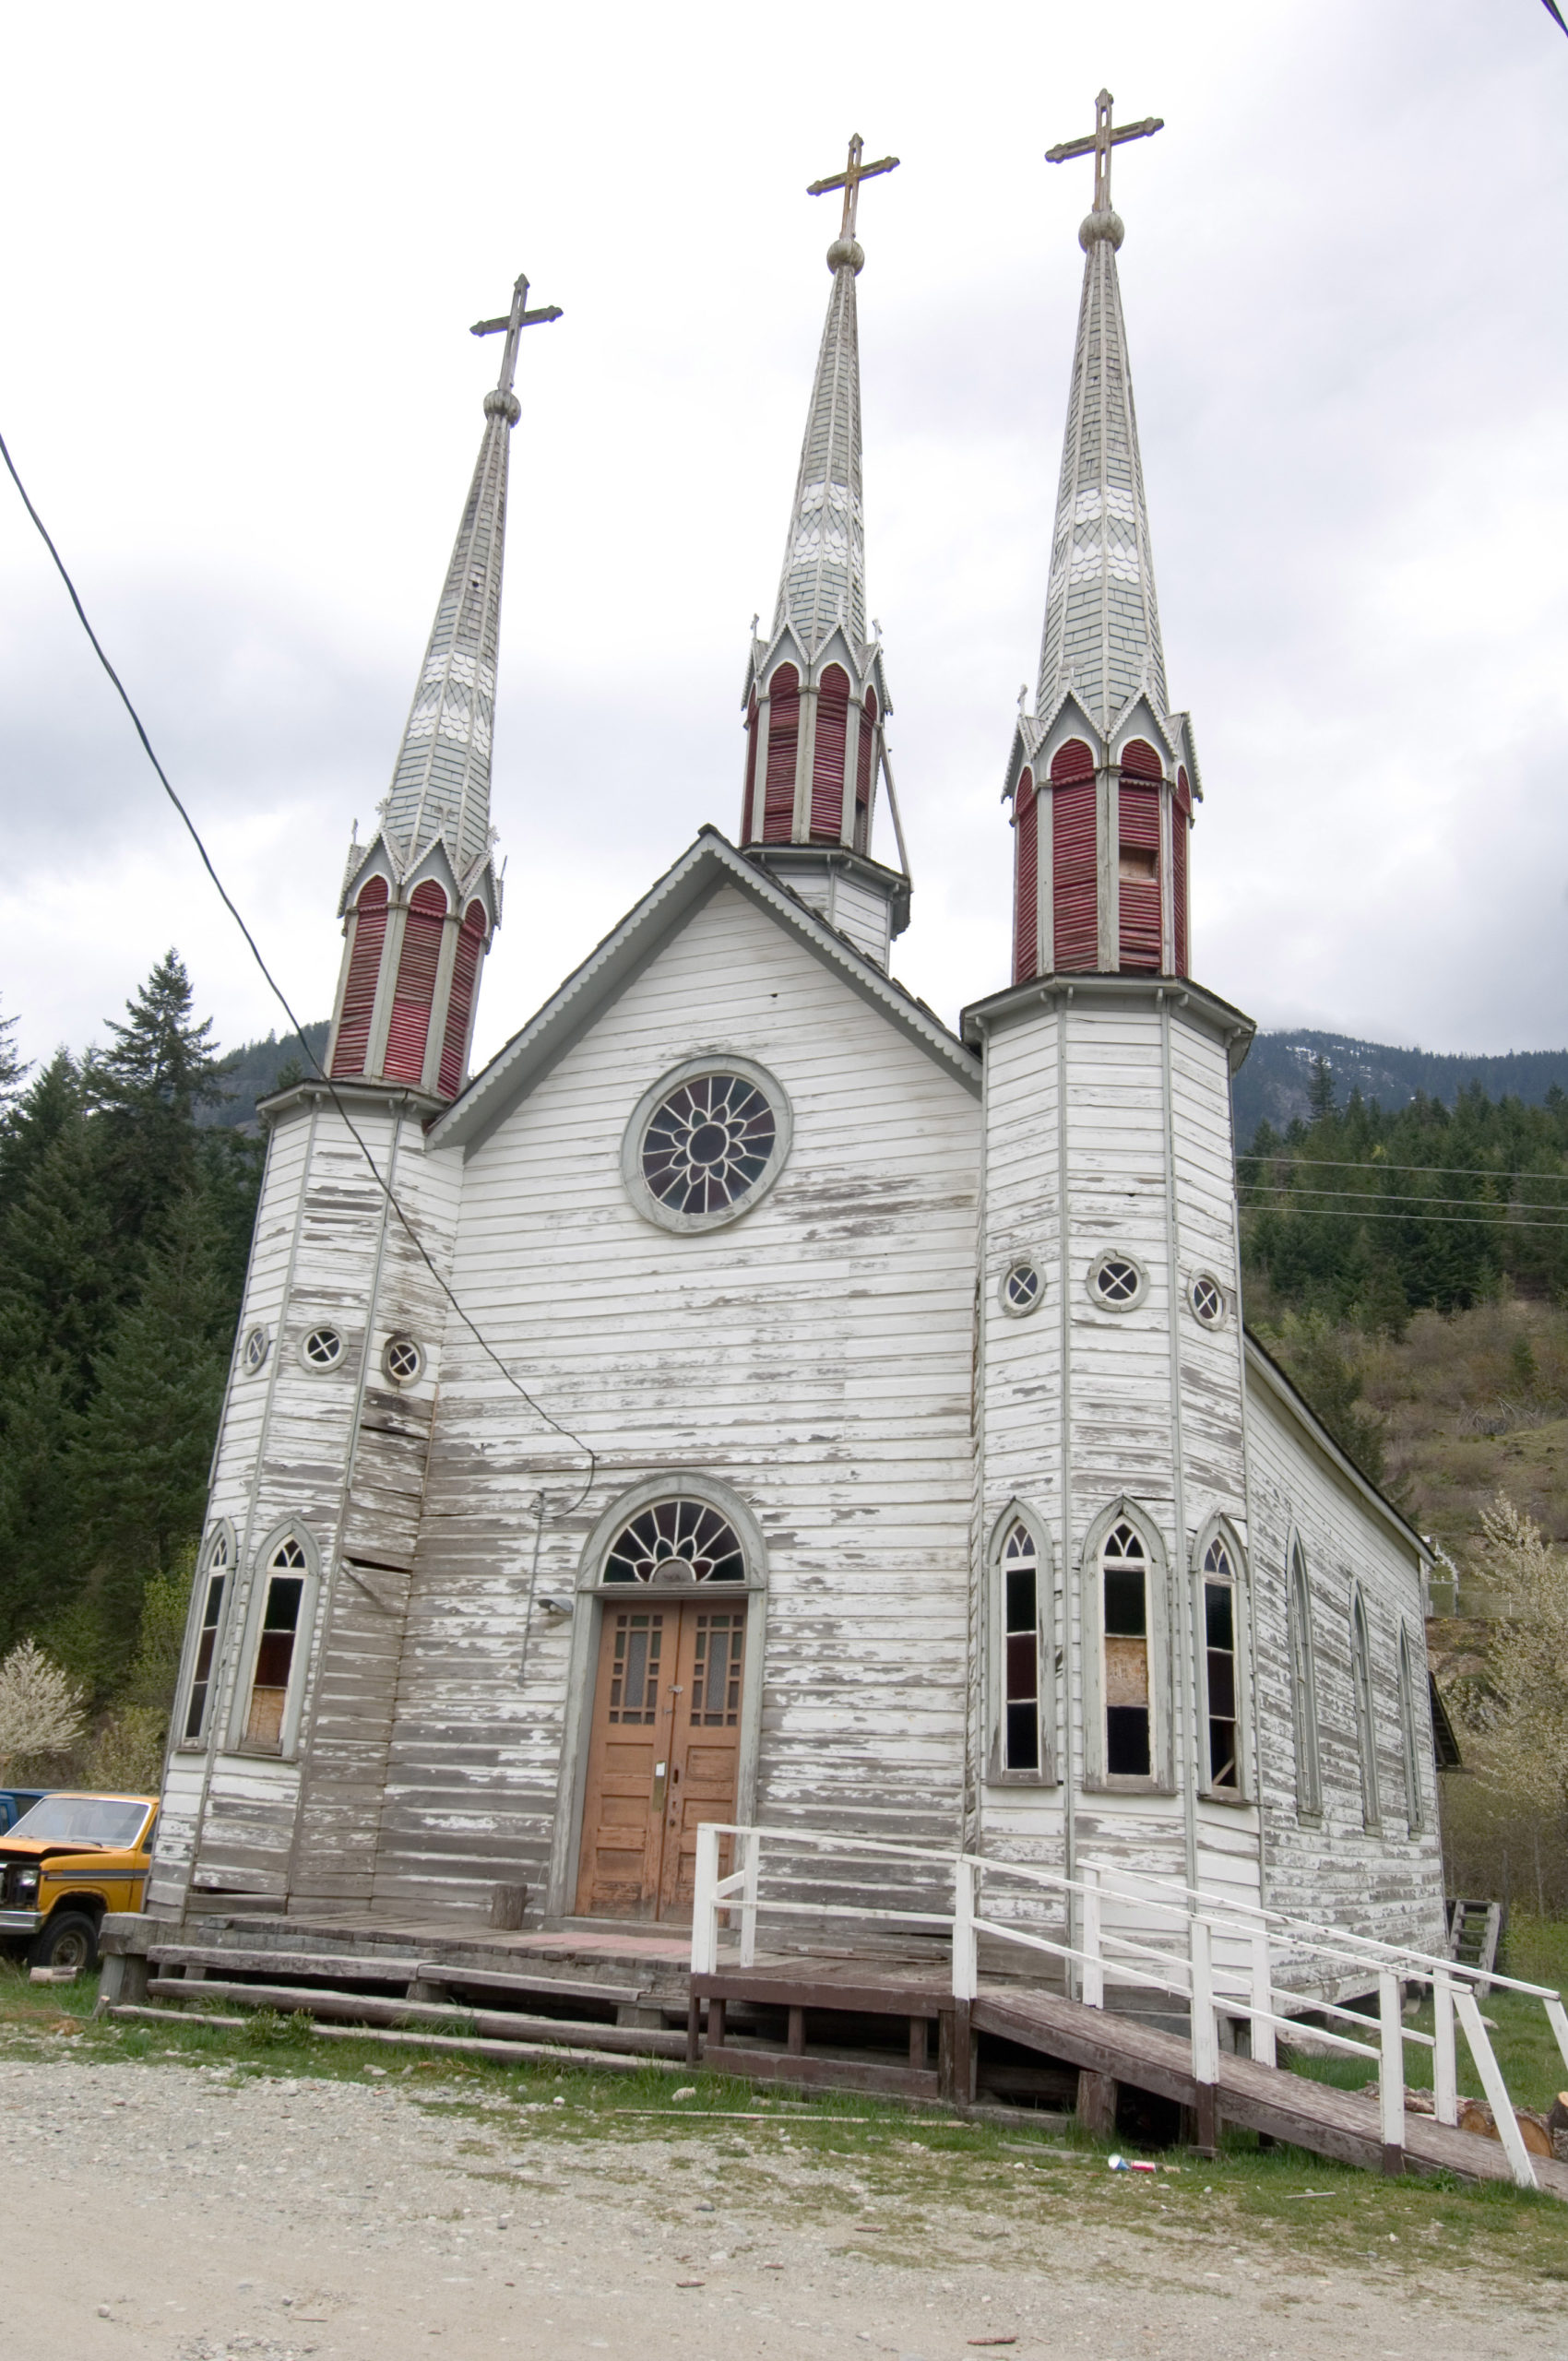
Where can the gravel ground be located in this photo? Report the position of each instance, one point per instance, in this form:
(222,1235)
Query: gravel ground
(173,2213)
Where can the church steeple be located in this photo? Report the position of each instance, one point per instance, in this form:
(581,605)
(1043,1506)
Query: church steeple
(1103,774)
(421,900)
(816,695)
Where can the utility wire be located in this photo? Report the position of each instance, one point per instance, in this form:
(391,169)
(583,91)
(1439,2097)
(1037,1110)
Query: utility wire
(1350,1213)
(1391,1197)
(1299,1163)
(281,996)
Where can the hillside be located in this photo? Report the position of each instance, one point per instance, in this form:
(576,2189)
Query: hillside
(248,1075)
(1274,1084)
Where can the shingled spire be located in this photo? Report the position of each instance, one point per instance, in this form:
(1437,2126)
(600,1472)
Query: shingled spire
(421,900)
(1103,774)
(815,696)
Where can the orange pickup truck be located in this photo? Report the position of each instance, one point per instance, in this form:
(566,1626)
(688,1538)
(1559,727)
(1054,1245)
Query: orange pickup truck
(64,1864)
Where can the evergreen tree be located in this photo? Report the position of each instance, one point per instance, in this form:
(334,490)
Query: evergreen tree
(1320,1090)
(13,1072)
(145,1090)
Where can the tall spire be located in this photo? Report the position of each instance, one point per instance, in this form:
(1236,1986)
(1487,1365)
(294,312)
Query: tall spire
(816,695)
(421,900)
(1102,621)
(1103,774)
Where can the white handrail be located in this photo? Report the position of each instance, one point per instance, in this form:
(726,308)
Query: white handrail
(1194,1980)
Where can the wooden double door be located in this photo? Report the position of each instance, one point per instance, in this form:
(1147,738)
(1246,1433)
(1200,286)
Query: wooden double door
(663,1753)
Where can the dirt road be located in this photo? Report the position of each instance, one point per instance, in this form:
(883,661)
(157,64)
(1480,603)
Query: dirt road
(166,2213)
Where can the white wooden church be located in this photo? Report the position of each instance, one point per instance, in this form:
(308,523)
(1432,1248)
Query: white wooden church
(745,1399)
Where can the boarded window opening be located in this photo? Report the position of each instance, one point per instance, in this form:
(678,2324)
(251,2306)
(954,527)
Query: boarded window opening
(274,1651)
(1124,1575)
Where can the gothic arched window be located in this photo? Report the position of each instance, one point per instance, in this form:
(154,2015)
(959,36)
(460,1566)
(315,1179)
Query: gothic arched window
(1075,868)
(1138,857)
(1222,1669)
(1303,1684)
(1024,1672)
(282,1609)
(1126,1618)
(1409,1743)
(212,1596)
(1366,1723)
(459,1006)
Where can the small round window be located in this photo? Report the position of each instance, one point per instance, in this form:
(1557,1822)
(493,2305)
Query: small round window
(1207,1299)
(402,1360)
(676,1541)
(322,1350)
(705,1144)
(1022,1288)
(1117,1282)
(254,1351)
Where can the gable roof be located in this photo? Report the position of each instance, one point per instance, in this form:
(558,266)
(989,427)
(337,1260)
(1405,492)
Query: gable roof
(1261,1364)
(708,864)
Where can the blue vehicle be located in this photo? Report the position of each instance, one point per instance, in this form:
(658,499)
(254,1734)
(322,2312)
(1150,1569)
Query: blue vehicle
(13,1801)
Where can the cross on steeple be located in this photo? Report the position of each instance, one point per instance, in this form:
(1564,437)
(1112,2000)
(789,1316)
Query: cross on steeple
(849,180)
(1100,142)
(513,323)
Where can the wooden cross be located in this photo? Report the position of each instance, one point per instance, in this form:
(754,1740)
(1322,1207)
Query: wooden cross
(1099,144)
(513,323)
(849,180)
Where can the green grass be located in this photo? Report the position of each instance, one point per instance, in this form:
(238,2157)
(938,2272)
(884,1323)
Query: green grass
(908,2186)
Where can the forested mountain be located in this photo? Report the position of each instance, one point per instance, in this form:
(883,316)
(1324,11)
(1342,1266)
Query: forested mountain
(125,1227)
(246,1076)
(1275,1085)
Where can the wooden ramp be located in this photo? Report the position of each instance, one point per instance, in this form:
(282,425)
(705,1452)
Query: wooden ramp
(812,1998)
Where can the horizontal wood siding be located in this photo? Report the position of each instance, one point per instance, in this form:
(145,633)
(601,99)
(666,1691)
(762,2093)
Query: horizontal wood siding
(814,1355)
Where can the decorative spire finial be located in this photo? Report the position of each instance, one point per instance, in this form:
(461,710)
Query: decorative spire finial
(500,401)
(846,246)
(1103,222)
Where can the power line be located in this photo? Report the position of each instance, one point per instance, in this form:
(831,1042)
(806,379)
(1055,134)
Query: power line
(281,996)
(1389,1196)
(1350,1213)
(1388,1164)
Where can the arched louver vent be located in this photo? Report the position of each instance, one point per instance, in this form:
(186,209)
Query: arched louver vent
(416,982)
(465,968)
(1180,826)
(865,774)
(783,739)
(748,816)
(827,756)
(1026,880)
(1073,880)
(365,970)
(1138,857)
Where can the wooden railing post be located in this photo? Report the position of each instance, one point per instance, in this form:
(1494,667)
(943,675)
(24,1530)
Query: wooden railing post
(966,1970)
(1391,2070)
(1093,1963)
(1496,2089)
(1264,2050)
(1558,2020)
(751,1840)
(1205,2033)
(1445,2066)
(704,1910)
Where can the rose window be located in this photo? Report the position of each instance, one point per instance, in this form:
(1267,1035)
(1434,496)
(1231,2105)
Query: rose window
(708,1143)
(676,1541)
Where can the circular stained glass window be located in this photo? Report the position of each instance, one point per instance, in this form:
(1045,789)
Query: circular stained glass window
(402,1360)
(708,1143)
(1022,1288)
(322,1350)
(676,1541)
(254,1351)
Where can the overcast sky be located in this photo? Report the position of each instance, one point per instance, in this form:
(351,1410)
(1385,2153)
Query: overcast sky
(241,252)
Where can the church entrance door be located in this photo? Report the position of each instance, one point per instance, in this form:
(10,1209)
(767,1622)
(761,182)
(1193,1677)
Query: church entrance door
(663,1753)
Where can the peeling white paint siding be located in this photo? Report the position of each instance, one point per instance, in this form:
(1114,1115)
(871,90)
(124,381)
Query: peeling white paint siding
(814,1354)
(1328,1866)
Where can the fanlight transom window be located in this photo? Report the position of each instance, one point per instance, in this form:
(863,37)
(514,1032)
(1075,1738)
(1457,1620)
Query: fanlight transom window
(1124,1575)
(708,1143)
(676,1541)
(1220,1668)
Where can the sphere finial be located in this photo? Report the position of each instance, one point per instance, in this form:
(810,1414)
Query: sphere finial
(847,250)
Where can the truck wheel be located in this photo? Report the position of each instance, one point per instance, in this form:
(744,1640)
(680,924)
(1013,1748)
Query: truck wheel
(70,1940)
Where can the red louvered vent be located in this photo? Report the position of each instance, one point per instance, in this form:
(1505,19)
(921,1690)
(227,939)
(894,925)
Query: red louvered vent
(1180,827)
(783,739)
(864,775)
(365,970)
(827,757)
(465,968)
(1138,867)
(416,982)
(1140,760)
(1075,897)
(1026,880)
(1185,792)
(747,817)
